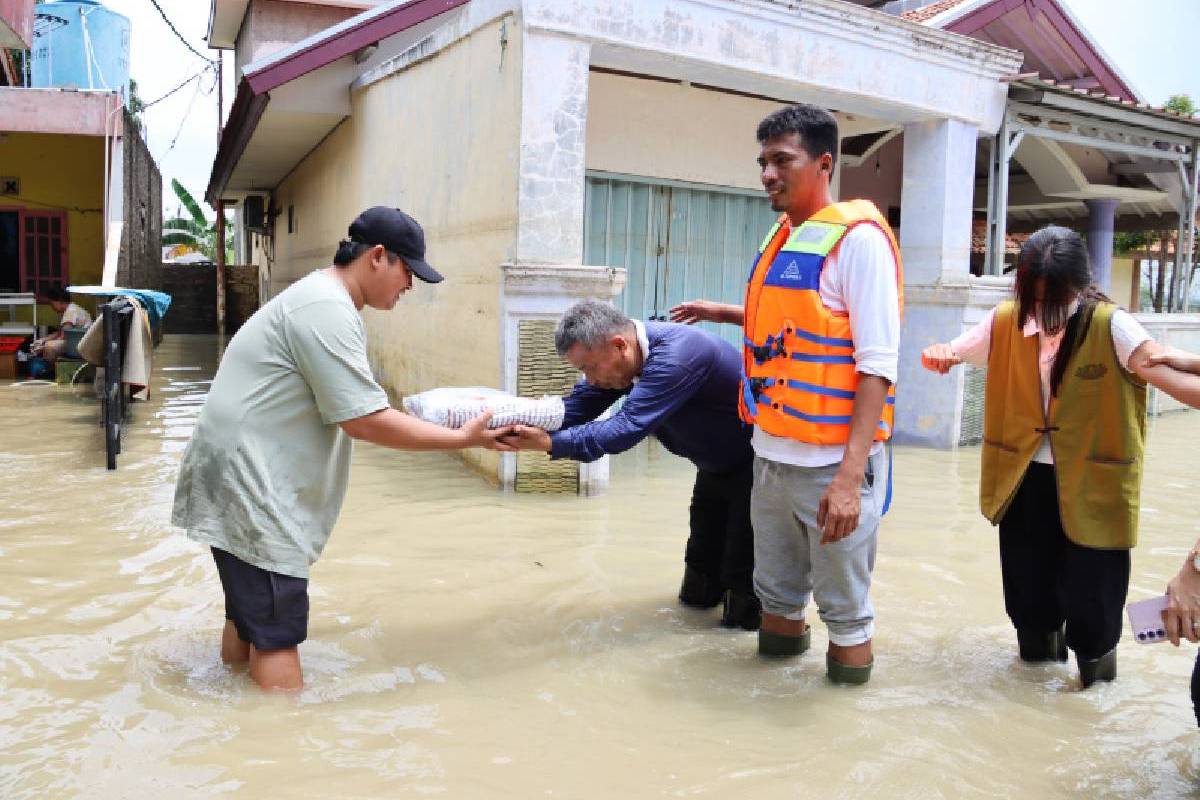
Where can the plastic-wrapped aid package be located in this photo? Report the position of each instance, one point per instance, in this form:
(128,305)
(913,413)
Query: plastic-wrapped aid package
(451,407)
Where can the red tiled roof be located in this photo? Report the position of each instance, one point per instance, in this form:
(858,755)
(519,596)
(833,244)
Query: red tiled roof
(1012,241)
(926,13)
(1099,94)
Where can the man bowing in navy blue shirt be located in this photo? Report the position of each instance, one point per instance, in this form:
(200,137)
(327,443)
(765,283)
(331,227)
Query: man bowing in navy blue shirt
(680,384)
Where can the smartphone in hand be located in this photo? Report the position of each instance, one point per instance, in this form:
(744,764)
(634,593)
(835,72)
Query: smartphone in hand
(1146,619)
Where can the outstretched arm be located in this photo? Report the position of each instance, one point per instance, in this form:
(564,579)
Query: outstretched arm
(1175,359)
(939,358)
(693,311)
(1150,363)
(395,429)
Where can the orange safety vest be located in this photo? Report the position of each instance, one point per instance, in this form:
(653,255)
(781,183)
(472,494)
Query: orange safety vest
(799,375)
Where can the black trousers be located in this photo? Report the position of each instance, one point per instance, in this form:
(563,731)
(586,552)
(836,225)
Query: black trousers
(721,541)
(1049,580)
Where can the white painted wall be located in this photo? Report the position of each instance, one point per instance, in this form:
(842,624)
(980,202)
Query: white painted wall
(667,130)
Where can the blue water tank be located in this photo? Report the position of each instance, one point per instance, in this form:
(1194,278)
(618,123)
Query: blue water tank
(80,44)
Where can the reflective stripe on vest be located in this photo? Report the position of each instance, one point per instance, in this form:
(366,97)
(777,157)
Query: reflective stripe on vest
(1096,424)
(799,378)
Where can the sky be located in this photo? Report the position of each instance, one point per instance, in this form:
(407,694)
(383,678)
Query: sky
(181,131)
(1149,41)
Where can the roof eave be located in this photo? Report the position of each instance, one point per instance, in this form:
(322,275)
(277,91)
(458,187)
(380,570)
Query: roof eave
(341,40)
(313,53)
(247,110)
(963,19)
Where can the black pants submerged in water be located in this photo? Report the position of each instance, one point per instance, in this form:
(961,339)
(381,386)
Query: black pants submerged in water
(721,542)
(1049,580)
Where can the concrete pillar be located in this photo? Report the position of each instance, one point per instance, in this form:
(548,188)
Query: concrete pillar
(1101,215)
(554,84)
(547,275)
(545,292)
(935,242)
(936,197)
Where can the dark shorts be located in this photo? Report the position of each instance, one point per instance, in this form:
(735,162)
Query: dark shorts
(269,610)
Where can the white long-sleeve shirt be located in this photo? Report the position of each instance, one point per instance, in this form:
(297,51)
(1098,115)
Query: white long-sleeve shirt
(859,278)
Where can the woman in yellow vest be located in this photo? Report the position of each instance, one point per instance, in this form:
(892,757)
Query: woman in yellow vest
(1064,433)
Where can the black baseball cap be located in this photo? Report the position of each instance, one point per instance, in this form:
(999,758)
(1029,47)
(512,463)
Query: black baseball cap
(398,233)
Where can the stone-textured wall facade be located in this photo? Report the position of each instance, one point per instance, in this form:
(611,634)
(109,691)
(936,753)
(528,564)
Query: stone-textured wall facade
(139,265)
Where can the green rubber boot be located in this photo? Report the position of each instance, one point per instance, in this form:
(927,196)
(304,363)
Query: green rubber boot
(779,645)
(844,673)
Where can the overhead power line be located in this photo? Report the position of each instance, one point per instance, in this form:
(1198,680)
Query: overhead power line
(179,35)
(196,76)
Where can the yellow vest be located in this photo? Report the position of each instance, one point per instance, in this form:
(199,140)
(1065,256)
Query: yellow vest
(1097,428)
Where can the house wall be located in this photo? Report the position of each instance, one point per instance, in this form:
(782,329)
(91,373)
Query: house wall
(671,131)
(1123,272)
(439,139)
(667,130)
(271,25)
(882,187)
(61,172)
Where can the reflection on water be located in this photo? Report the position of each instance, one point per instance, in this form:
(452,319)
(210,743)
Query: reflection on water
(466,643)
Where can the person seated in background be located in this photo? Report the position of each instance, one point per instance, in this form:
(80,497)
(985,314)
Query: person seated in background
(72,315)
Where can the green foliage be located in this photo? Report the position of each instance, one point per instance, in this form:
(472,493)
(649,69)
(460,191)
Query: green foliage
(1127,242)
(136,105)
(194,229)
(1181,104)
(189,202)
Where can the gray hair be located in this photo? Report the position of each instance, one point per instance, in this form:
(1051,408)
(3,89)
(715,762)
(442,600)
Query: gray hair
(588,323)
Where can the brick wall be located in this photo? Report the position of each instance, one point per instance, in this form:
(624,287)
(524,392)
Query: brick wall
(139,265)
(193,290)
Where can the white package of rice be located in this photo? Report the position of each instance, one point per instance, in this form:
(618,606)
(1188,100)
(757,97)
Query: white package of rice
(452,407)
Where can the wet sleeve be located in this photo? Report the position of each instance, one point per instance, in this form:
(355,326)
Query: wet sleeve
(328,345)
(661,390)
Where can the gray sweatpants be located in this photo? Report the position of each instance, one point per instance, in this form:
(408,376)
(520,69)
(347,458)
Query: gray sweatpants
(790,563)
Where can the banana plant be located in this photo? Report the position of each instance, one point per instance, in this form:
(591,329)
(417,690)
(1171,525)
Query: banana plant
(194,230)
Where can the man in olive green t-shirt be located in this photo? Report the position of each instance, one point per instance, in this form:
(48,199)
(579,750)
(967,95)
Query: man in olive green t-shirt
(263,478)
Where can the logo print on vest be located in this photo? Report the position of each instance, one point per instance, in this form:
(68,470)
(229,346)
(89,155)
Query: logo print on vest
(791,272)
(1091,372)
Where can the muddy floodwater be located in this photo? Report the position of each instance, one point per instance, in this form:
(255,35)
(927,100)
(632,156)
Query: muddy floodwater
(470,644)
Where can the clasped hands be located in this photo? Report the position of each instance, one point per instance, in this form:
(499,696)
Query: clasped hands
(526,437)
(507,439)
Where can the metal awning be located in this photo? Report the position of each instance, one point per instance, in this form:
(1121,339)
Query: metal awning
(1153,159)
